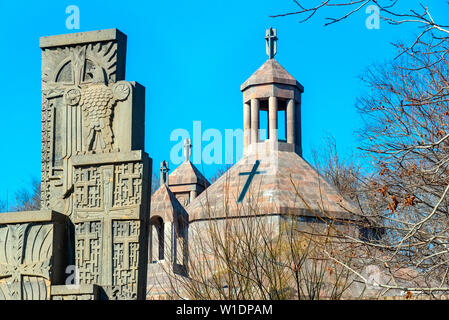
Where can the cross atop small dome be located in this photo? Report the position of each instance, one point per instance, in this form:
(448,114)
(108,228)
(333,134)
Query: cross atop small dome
(164,172)
(187,149)
(271,39)
(273,90)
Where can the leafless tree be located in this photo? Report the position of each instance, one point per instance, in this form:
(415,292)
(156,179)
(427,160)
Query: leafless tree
(250,256)
(28,200)
(405,139)
(155,182)
(342,172)
(406,135)
(354,182)
(221,171)
(390,11)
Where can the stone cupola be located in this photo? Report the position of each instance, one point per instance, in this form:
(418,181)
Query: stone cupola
(186,181)
(271,88)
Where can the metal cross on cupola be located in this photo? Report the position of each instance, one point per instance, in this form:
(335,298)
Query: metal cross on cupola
(271,39)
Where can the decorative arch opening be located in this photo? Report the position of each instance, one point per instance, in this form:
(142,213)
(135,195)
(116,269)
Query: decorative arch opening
(157,244)
(282,120)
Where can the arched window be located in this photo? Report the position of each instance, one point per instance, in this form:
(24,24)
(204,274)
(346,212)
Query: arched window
(180,241)
(156,239)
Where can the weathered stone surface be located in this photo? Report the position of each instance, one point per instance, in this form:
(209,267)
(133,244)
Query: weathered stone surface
(110,215)
(271,191)
(164,204)
(94,172)
(186,182)
(81,292)
(168,235)
(269,200)
(94,169)
(32,254)
(271,88)
(282,185)
(272,73)
(109,42)
(86,107)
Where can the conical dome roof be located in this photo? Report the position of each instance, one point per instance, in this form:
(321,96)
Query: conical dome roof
(281,181)
(271,72)
(165,204)
(187,173)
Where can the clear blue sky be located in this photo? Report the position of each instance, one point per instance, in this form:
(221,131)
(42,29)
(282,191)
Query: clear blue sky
(192,57)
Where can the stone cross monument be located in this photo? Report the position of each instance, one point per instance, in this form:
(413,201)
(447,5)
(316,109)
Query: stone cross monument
(94,169)
(95,180)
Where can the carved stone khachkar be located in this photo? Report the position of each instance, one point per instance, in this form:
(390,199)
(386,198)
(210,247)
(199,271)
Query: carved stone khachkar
(110,222)
(95,180)
(32,254)
(87,107)
(94,169)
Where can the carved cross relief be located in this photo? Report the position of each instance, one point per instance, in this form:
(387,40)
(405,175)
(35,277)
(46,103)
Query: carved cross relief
(80,95)
(88,111)
(119,224)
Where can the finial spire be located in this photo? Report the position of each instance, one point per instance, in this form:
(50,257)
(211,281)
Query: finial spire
(164,172)
(271,39)
(187,149)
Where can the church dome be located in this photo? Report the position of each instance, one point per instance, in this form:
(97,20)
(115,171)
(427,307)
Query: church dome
(269,73)
(284,183)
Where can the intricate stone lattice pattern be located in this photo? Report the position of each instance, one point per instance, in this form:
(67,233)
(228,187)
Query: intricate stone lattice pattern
(93,166)
(108,218)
